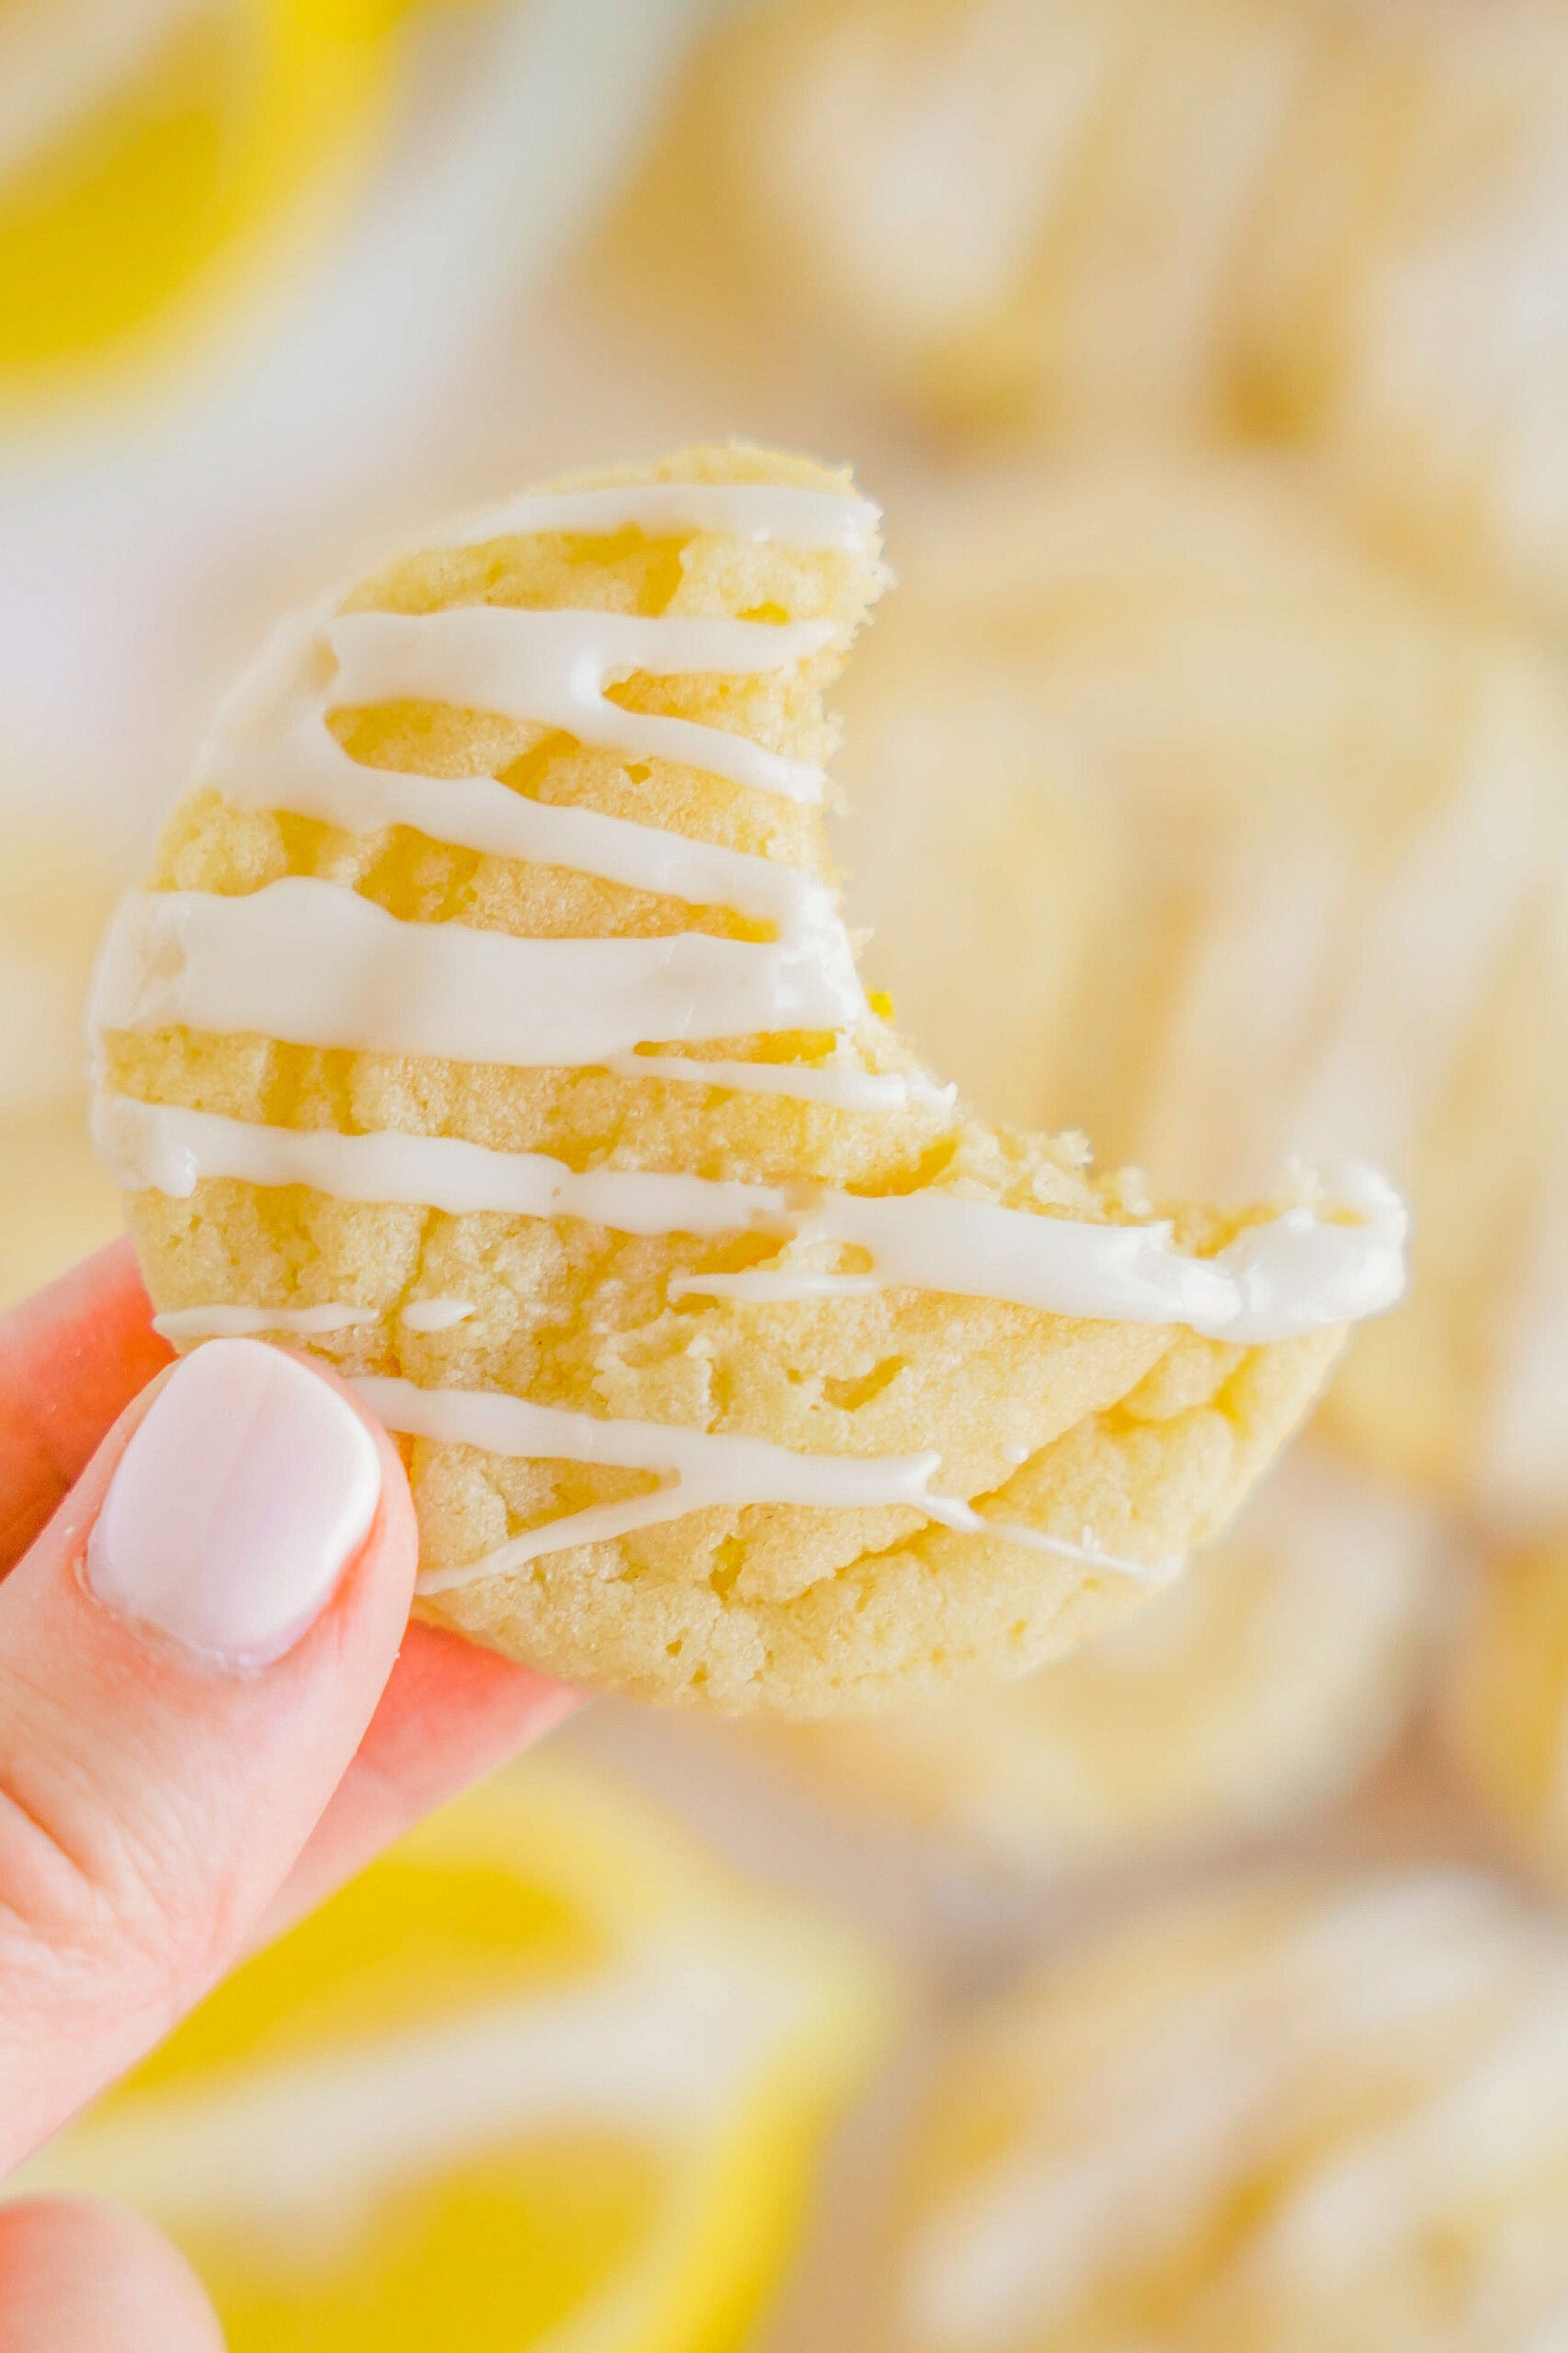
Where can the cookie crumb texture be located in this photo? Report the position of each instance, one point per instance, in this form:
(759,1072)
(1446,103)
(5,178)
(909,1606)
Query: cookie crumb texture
(1252,1693)
(1144,1436)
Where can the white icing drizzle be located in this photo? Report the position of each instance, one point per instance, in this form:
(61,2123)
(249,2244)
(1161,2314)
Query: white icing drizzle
(435,1314)
(1087,1551)
(317,965)
(700,1468)
(273,738)
(1298,1271)
(757,511)
(273,748)
(224,1322)
(1295,1273)
(171,1150)
(312,963)
(553,667)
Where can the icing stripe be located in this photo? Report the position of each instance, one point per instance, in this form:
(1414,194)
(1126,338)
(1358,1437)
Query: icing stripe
(317,965)
(703,1467)
(435,1314)
(312,963)
(757,511)
(699,1469)
(170,1149)
(552,667)
(605,1523)
(1292,1275)
(273,750)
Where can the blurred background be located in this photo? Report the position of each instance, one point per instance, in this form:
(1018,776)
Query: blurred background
(1205,787)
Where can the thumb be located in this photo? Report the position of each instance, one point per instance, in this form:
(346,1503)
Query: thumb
(189,1655)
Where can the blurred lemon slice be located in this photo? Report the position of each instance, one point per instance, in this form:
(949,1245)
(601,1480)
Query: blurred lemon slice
(144,142)
(542,2078)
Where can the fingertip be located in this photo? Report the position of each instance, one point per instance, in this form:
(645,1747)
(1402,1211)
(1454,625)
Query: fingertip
(248,1490)
(189,1656)
(395,1527)
(80,2276)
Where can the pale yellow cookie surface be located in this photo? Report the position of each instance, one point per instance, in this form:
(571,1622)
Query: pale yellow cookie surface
(1281,2119)
(1262,1684)
(1139,1437)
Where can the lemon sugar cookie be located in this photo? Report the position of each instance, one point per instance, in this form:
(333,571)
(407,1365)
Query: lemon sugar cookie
(1287,2116)
(491,1029)
(1262,1685)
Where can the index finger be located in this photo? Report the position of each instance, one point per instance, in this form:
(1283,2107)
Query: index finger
(71,1358)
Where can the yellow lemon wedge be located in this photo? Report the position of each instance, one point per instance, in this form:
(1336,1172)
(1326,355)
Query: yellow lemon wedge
(544,2076)
(145,145)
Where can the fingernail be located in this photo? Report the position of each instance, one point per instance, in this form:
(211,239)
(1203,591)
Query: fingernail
(236,1506)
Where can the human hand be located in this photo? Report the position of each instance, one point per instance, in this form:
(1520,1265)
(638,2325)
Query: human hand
(213,1710)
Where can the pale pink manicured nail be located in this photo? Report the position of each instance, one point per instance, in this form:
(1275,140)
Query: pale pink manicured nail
(237,1504)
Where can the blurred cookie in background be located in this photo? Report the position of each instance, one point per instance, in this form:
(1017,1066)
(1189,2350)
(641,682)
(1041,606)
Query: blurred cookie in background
(1292,2115)
(1310,221)
(1265,1683)
(55,1201)
(1002,215)
(543,2075)
(1260,851)
(1402,301)
(55,1205)
(1506,1707)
